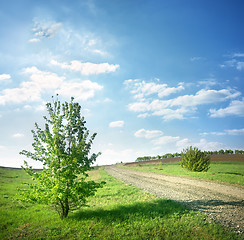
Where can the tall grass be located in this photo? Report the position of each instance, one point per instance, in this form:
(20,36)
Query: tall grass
(118,211)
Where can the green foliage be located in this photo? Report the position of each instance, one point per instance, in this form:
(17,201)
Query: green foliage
(195,160)
(64,149)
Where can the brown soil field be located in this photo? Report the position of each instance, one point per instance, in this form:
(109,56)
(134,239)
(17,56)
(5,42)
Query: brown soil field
(214,158)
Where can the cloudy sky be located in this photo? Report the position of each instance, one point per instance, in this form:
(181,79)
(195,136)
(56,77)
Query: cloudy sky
(152,76)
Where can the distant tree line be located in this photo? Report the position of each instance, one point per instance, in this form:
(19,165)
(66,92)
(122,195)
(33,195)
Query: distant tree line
(174,155)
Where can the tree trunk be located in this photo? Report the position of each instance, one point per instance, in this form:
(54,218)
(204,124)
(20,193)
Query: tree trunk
(64,208)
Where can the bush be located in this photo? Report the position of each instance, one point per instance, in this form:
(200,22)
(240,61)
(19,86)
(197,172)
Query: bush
(195,160)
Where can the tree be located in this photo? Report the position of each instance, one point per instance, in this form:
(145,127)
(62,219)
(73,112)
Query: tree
(221,151)
(195,160)
(64,149)
(228,151)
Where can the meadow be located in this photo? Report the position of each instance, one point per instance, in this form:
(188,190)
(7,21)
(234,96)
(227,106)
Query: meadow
(117,211)
(226,172)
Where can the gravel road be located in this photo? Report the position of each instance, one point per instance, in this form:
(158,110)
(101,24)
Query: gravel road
(223,203)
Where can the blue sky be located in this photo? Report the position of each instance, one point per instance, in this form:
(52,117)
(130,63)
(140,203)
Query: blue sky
(152,77)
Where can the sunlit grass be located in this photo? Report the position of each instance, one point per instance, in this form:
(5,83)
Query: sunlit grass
(229,172)
(118,211)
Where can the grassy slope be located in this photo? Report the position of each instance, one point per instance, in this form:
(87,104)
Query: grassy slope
(118,211)
(231,172)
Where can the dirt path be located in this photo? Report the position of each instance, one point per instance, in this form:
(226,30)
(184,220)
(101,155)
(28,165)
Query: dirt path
(220,202)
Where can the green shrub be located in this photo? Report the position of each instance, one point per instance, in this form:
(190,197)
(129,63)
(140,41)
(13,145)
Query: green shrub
(195,160)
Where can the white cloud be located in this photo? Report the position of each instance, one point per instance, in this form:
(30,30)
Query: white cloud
(92,42)
(240,66)
(165,140)
(143,115)
(213,133)
(203,144)
(27,107)
(96,45)
(99,51)
(41,107)
(42,81)
(27,92)
(85,42)
(194,59)
(235,108)
(18,135)
(45,29)
(142,133)
(222,65)
(34,40)
(31,90)
(208,82)
(229,63)
(226,132)
(141,89)
(79,90)
(235,131)
(234,62)
(179,107)
(4,77)
(87,68)
(183,143)
(238,55)
(139,106)
(117,124)
(170,114)
(205,97)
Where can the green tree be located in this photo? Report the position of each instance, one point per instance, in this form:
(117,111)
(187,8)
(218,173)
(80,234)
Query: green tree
(221,151)
(63,147)
(228,151)
(195,160)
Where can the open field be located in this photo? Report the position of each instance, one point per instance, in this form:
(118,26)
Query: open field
(118,211)
(228,172)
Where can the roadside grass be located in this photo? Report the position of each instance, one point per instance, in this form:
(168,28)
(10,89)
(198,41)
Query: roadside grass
(117,211)
(228,172)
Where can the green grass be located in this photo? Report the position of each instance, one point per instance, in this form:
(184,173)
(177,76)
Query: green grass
(228,172)
(118,211)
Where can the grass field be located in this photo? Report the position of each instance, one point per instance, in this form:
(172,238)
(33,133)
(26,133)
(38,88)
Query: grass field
(118,211)
(228,172)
